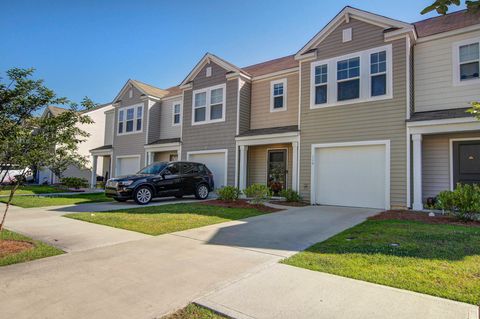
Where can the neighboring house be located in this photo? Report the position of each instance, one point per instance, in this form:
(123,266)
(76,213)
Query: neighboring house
(369,113)
(97,131)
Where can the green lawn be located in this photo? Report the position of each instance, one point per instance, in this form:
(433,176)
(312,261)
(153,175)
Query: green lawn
(32,189)
(40,250)
(439,260)
(42,201)
(193,311)
(157,220)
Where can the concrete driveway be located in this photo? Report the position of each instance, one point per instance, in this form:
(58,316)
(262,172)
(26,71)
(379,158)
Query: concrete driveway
(149,277)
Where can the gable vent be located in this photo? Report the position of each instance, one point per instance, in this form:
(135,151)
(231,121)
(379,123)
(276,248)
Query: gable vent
(347,35)
(208,71)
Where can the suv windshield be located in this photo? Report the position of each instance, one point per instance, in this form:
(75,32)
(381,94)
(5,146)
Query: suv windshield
(153,169)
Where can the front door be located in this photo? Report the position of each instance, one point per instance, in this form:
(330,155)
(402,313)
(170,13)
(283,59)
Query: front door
(277,170)
(466,162)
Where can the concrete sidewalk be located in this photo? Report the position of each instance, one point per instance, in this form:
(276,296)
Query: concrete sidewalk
(283,291)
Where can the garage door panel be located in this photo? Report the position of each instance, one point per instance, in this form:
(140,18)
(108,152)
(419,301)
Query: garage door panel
(128,165)
(351,176)
(215,162)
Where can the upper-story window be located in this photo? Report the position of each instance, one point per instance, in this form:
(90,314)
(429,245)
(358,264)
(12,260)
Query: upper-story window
(130,119)
(177,111)
(278,97)
(208,105)
(353,78)
(466,61)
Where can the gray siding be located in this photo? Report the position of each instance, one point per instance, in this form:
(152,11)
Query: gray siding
(436,162)
(378,120)
(154,121)
(109,127)
(167,130)
(245,110)
(216,135)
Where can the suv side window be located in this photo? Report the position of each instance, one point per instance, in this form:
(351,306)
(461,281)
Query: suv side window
(173,169)
(201,169)
(190,168)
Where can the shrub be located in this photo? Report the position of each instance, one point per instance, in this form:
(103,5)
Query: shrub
(463,202)
(290,195)
(74,182)
(258,193)
(229,193)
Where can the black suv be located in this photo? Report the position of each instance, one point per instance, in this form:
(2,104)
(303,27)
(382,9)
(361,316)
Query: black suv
(162,179)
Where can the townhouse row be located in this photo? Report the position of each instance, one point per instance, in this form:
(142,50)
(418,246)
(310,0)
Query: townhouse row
(369,113)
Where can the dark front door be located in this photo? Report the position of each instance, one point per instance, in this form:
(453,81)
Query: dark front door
(277,169)
(466,162)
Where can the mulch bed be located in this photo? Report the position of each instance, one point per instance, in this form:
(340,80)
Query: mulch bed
(422,217)
(9,247)
(285,203)
(240,203)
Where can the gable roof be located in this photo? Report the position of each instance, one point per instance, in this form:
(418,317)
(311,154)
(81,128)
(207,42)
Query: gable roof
(345,15)
(275,65)
(55,110)
(207,58)
(146,89)
(173,91)
(445,23)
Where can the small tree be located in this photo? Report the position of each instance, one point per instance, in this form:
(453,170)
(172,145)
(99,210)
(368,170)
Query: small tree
(475,109)
(442,6)
(28,140)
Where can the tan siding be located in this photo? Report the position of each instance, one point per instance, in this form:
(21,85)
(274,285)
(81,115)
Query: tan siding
(215,135)
(433,71)
(379,120)
(436,162)
(261,116)
(245,110)
(154,121)
(167,130)
(109,127)
(257,163)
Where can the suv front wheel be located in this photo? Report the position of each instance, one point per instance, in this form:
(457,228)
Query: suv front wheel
(201,192)
(143,195)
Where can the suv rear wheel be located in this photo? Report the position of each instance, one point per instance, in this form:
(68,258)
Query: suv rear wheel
(201,192)
(143,195)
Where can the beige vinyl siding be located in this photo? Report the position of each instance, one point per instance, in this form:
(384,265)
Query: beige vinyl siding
(167,130)
(376,120)
(257,163)
(212,136)
(245,111)
(154,121)
(436,162)
(130,144)
(109,127)
(261,117)
(433,72)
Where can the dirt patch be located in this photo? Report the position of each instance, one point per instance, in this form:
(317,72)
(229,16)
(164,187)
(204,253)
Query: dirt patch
(241,203)
(421,217)
(9,247)
(291,204)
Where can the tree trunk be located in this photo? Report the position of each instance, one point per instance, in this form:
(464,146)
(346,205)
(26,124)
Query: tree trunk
(10,197)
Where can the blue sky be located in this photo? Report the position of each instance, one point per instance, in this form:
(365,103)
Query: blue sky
(91,47)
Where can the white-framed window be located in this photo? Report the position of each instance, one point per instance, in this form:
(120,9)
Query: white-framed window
(466,62)
(354,78)
(130,119)
(209,105)
(177,113)
(278,95)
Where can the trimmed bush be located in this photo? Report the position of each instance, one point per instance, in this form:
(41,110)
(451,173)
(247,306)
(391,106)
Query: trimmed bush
(290,195)
(258,193)
(228,193)
(463,202)
(74,182)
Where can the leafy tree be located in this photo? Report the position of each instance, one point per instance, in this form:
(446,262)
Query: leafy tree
(475,109)
(442,6)
(31,141)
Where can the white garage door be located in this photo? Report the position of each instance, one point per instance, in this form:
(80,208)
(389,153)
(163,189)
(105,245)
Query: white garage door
(128,165)
(351,176)
(215,162)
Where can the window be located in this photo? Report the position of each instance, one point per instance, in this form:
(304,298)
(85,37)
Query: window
(466,59)
(321,79)
(353,78)
(130,119)
(278,99)
(177,108)
(348,79)
(209,105)
(378,73)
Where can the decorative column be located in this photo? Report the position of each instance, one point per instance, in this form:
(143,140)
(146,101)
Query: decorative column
(93,178)
(295,166)
(417,172)
(243,167)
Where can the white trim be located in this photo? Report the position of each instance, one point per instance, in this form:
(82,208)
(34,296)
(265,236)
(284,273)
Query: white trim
(225,151)
(456,62)
(365,78)
(299,93)
(124,109)
(444,126)
(417,172)
(284,95)
(163,147)
(268,139)
(268,76)
(286,164)
(239,88)
(208,105)
(107,152)
(180,113)
(409,197)
(451,154)
(449,33)
(126,156)
(409,79)
(314,147)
